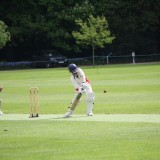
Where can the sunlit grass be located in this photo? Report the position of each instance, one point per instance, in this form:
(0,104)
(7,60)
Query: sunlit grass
(130,89)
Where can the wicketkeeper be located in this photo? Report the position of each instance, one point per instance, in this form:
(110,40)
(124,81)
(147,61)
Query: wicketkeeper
(82,85)
(1,113)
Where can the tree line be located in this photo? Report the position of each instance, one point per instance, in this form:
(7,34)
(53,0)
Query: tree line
(48,24)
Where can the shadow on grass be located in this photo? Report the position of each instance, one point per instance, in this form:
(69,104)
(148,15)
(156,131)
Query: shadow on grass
(63,117)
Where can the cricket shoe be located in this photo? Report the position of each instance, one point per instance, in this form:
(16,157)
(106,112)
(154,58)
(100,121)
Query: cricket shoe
(1,113)
(90,114)
(68,114)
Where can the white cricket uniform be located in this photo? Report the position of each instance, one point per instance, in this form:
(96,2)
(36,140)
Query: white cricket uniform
(78,78)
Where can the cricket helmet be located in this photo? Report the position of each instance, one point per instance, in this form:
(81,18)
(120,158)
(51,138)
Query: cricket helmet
(72,67)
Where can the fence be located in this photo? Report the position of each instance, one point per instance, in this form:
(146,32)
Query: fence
(99,60)
(110,59)
(15,65)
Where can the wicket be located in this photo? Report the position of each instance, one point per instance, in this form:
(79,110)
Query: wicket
(34,102)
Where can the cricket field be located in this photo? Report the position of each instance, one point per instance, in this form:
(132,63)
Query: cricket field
(125,125)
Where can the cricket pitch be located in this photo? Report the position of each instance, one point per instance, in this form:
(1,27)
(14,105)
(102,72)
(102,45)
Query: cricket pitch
(146,118)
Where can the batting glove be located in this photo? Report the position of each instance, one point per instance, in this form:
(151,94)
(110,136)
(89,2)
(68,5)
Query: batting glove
(84,85)
(82,90)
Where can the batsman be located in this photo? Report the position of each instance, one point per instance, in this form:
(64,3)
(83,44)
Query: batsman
(82,86)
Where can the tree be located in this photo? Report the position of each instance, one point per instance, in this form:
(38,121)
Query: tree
(93,32)
(136,24)
(44,24)
(64,13)
(4,34)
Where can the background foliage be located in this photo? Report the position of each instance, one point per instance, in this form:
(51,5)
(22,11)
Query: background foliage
(4,35)
(48,24)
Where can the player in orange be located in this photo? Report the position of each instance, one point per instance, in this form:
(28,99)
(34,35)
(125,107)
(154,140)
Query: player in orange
(1,113)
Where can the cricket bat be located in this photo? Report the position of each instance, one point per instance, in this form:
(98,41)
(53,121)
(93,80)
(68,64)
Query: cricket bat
(75,101)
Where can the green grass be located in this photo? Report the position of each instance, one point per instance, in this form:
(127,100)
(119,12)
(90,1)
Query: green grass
(131,89)
(60,140)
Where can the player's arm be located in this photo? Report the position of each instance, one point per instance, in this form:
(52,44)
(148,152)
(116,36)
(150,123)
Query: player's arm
(82,76)
(75,84)
(82,79)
